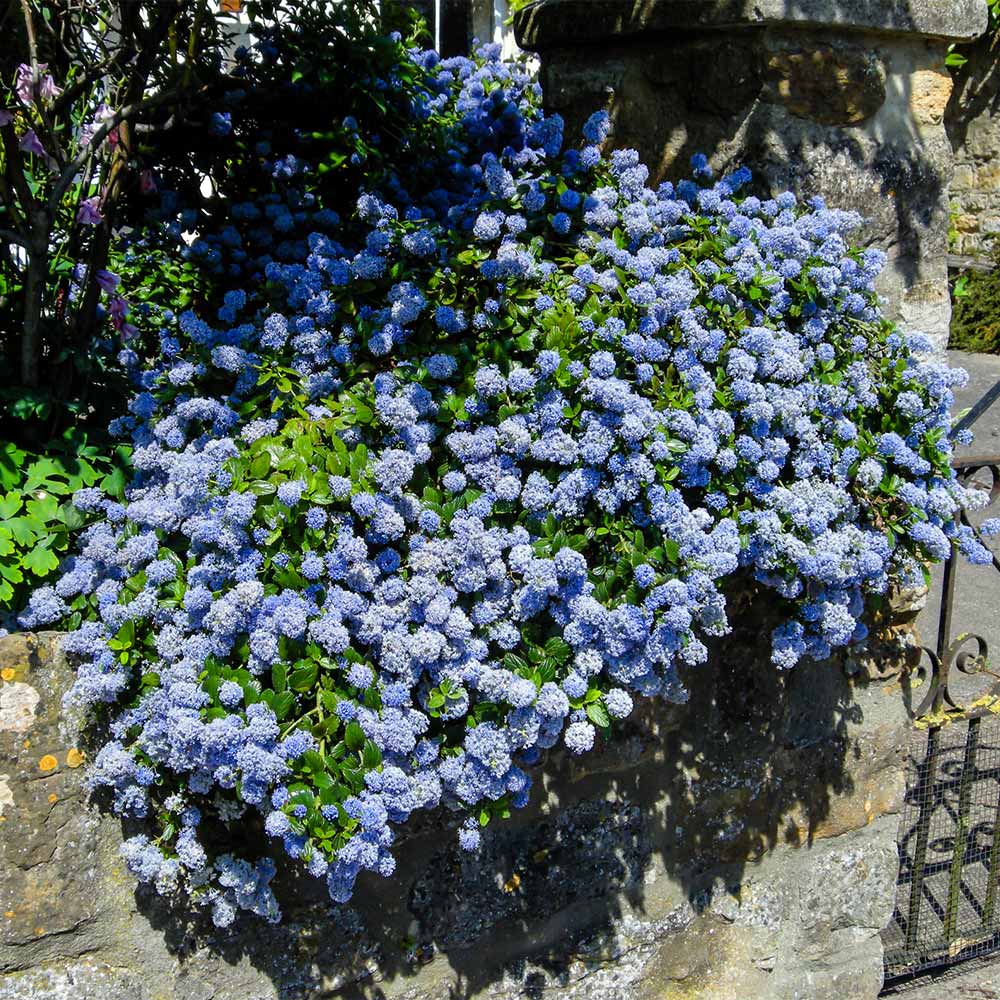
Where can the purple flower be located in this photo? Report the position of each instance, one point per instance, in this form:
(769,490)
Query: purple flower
(107,280)
(561,223)
(447,478)
(221,123)
(89,212)
(290,493)
(33,84)
(579,737)
(597,127)
(469,837)
(30,144)
(24,84)
(47,89)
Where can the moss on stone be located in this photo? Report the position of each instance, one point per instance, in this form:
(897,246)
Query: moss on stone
(975,317)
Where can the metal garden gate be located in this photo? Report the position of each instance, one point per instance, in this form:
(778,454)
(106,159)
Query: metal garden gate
(948,893)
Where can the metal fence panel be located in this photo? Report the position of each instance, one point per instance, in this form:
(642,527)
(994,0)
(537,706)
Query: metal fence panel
(948,895)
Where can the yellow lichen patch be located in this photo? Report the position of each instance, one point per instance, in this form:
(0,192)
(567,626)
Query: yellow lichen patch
(7,674)
(53,798)
(988,703)
(74,757)
(48,763)
(9,914)
(512,884)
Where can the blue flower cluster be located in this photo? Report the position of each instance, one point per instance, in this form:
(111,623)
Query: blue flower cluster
(468,472)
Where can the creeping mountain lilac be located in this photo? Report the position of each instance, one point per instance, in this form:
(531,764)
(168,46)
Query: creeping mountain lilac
(459,478)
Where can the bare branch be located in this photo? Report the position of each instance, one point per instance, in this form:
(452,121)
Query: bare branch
(83,84)
(143,128)
(122,114)
(9,202)
(29,27)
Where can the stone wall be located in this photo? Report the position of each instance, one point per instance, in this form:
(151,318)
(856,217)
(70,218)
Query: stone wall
(743,845)
(839,98)
(973,122)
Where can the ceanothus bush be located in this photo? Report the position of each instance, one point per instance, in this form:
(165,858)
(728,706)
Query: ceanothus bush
(456,479)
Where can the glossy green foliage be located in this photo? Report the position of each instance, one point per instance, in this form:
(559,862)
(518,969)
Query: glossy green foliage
(37,517)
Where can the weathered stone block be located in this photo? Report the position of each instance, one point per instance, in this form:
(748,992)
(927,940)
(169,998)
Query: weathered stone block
(931,91)
(827,85)
(987,177)
(964,178)
(51,903)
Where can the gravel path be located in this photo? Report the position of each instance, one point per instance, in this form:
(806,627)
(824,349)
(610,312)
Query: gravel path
(973,980)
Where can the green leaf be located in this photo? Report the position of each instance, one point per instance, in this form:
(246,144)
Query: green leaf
(71,517)
(558,649)
(359,461)
(45,509)
(40,561)
(515,663)
(22,530)
(114,483)
(41,470)
(598,714)
(304,678)
(354,736)
(279,676)
(260,466)
(9,505)
(371,757)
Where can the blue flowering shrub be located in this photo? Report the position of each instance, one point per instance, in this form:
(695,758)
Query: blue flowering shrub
(462,472)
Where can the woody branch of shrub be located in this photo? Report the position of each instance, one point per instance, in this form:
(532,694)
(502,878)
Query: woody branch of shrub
(81,83)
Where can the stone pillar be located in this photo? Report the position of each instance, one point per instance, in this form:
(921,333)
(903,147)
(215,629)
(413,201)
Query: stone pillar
(840,98)
(741,845)
(973,122)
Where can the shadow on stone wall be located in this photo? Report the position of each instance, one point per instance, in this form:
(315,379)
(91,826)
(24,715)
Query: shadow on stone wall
(977,89)
(651,838)
(973,123)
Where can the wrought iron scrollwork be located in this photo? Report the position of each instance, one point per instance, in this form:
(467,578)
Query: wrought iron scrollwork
(938,698)
(953,652)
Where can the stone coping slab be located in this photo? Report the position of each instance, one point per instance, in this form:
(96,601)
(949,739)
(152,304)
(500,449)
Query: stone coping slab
(548,24)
